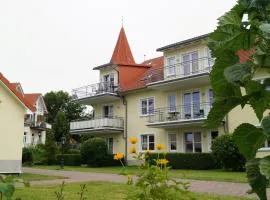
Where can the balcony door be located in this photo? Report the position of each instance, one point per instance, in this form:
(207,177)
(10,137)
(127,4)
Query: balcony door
(108,111)
(190,63)
(191,105)
(109,82)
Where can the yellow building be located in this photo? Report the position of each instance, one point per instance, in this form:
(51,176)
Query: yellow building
(13,106)
(163,100)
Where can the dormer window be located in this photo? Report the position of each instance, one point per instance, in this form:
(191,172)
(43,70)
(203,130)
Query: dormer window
(170,69)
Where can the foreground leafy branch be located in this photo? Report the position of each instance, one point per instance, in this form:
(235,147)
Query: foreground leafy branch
(241,47)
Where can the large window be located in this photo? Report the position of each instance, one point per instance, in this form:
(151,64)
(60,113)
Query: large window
(172,103)
(147,106)
(172,142)
(193,142)
(171,66)
(192,105)
(147,142)
(190,63)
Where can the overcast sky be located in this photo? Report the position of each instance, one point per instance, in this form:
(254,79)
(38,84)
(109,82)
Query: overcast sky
(54,44)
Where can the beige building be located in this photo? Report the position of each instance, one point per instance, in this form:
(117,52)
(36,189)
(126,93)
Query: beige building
(162,100)
(13,106)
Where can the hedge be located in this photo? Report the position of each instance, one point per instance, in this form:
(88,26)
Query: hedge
(198,161)
(70,159)
(76,160)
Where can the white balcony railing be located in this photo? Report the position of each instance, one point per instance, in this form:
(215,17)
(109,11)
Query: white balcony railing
(98,123)
(94,90)
(181,70)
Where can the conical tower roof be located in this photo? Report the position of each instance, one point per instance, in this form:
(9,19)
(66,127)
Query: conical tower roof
(122,52)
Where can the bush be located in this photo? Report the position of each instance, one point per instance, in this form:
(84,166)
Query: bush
(198,161)
(74,151)
(70,159)
(226,153)
(39,154)
(94,153)
(50,148)
(27,156)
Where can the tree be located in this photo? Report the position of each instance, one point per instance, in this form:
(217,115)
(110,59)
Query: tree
(50,148)
(242,48)
(61,126)
(61,101)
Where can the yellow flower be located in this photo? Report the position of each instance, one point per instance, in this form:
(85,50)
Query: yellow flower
(160,146)
(162,161)
(118,156)
(133,140)
(132,150)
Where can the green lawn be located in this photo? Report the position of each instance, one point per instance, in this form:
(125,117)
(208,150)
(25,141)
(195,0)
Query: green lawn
(218,175)
(37,177)
(95,191)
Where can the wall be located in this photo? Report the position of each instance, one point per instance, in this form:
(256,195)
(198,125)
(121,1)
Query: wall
(11,132)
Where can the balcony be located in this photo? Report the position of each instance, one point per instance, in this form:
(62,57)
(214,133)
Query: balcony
(96,93)
(179,116)
(181,75)
(98,126)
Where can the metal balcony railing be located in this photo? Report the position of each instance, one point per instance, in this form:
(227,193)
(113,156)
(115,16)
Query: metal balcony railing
(98,123)
(94,89)
(180,113)
(181,70)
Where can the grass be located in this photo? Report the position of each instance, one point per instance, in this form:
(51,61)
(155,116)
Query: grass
(96,191)
(217,175)
(37,177)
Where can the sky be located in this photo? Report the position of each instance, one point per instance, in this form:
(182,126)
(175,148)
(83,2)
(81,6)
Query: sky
(51,45)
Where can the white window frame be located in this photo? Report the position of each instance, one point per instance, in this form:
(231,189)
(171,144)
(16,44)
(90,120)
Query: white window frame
(170,142)
(147,106)
(168,100)
(169,67)
(108,145)
(109,105)
(192,103)
(190,65)
(193,141)
(147,142)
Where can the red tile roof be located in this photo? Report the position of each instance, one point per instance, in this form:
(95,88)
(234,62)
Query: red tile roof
(32,98)
(122,52)
(155,67)
(245,55)
(12,88)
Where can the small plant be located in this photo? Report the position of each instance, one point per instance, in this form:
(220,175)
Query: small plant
(83,189)
(60,194)
(7,186)
(153,181)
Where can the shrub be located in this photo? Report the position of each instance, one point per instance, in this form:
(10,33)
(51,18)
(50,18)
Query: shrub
(226,153)
(94,152)
(50,148)
(198,161)
(70,159)
(27,156)
(74,151)
(39,154)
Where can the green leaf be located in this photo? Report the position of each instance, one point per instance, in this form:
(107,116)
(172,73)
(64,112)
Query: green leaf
(239,73)
(248,139)
(265,28)
(265,166)
(220,108)
(257,181)
(266,125)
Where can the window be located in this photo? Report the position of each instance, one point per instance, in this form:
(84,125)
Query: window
(171,66)
(24,137)
(110,145)
(147,106)
(108,111)
(192,105)
(172,103)
(190,63)
(147,142)
(209,57)
(33,139)
(108,82)
(39,138)
(210,96)
(193,142)
(172,140)
(213,136)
